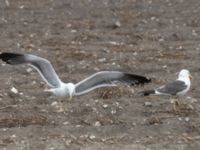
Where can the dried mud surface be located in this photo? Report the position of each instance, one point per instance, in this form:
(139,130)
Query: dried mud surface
(153,38)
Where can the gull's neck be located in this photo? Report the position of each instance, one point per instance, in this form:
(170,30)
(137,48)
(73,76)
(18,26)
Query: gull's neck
(185,79)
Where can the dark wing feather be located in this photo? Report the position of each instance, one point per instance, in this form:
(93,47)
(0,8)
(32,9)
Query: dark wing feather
(173,88)
(42,65)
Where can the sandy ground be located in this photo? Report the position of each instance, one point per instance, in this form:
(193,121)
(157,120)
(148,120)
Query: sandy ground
(156,38)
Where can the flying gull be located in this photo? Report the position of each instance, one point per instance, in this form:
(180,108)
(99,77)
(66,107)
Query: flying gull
(176,88)
(61,89)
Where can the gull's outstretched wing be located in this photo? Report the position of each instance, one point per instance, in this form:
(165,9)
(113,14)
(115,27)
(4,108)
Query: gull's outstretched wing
(172,88)
(108,78)
(42,65)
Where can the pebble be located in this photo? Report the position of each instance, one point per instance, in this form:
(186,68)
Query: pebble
(149,104)
(29,70)
(117,24)
(117,103)
(187,119)
(14,90)
(102,59)
(65,123)
(21,7)
(114,43)
(13,136)
(113,112)
(92,137)
(97,124)
(68,142)
(7,3)
(54,103)
(105,106)
(73,31)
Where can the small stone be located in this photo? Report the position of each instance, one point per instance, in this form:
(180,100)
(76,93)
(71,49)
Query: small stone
(14,90)
(134,123)
(187,119)
(96,69)
(113,112)
(13,136)
(65,123)
(97,124)
(78,126)
(92,137)
(54,103)
(148,104)
(190,107)
(21,7)
(117,24)
(84,136)
(87,105)
(103,140)
(165,66)
(73,31)
(114,43)
(7,3)
(29,70)
(69,25)
(105,106)
(68,142)
(4,129)
(117,103)
(102,59)
(20,100)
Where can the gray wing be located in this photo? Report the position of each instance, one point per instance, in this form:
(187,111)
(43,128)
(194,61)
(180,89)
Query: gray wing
(42,65)
(107,78)
(172,88)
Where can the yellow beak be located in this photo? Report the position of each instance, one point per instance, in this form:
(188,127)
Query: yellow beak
(190,77)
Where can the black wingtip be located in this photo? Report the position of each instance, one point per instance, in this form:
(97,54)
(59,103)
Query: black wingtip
(9,57)
(138,79)
(146,93)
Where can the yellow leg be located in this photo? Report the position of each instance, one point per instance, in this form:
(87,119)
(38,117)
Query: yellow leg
(64,105)
(61,107)
(175,103)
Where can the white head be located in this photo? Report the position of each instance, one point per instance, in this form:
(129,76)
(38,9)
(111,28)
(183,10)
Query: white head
(184,75)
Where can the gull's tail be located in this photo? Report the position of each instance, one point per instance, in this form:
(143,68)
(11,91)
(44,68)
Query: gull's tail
(147,92)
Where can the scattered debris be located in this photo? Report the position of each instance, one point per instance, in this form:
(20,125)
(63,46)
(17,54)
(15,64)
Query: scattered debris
(14,90)
(29,70)
(148,104)
(92,137)
(187,119)
(97,124)
(113,112)
(54,103)
(105,106)
(68,142)
(23,121)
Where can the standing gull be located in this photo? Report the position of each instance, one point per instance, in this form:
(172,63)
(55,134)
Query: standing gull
(61,89)
(176,88)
